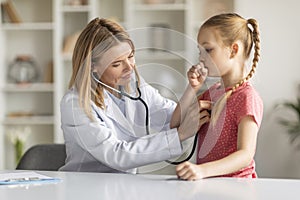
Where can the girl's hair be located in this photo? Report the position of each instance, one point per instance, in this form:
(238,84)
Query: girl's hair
(231,28)
(97,37)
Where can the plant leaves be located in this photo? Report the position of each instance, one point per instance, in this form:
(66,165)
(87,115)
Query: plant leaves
(293,127)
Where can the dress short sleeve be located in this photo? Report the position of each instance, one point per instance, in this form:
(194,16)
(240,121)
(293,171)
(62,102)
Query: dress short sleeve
(248,103)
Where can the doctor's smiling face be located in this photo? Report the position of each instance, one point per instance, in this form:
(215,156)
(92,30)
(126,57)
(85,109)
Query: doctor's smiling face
(116,65)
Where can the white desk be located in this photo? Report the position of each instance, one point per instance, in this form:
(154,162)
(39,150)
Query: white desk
(121,186)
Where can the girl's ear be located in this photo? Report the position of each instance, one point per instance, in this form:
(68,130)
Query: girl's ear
(234,50)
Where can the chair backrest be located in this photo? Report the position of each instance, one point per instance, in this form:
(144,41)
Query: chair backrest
(48,157)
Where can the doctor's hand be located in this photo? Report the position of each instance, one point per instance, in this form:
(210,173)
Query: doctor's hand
(196,115)
(205,111)
(197,75)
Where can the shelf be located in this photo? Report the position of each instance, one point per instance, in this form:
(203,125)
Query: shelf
(28,26)
(29,120)
(160,7)
(30,87)
(83,8)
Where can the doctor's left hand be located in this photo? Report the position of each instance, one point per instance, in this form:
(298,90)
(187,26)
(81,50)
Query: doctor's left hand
(190,123)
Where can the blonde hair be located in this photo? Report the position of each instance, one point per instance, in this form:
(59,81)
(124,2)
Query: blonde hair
(231,28)
(97,37)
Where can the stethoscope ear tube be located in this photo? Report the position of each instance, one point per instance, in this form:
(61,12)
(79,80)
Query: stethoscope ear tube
(189,156)
(138,98)
(94,75)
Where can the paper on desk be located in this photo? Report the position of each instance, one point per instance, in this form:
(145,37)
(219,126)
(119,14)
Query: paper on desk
(25,178)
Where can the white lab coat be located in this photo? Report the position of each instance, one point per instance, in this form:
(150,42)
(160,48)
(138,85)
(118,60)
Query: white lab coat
(115,143)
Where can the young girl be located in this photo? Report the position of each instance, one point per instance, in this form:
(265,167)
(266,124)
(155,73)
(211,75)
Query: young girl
(227,143)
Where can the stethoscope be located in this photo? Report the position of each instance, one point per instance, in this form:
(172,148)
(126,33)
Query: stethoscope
(139,98)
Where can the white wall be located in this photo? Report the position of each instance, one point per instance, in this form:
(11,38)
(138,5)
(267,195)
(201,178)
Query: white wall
(276,80)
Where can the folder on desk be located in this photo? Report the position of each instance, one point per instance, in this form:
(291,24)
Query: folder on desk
(25,178)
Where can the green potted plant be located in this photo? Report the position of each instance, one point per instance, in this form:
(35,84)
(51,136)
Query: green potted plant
(292,125)
(18,138)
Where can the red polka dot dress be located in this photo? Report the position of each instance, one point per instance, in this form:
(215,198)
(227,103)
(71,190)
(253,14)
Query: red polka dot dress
(219,141)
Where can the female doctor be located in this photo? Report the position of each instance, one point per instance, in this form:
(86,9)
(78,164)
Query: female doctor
(104,130)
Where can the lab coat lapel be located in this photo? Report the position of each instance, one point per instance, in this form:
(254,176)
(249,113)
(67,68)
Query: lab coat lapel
(130,110)
(114,113)
(135,113)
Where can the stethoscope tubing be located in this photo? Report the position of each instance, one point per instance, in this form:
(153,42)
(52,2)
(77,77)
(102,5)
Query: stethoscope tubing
(139,98)
(189,156)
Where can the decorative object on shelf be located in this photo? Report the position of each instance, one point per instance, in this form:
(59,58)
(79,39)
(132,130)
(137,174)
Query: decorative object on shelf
(77,2)
(159,37)
(23,70)
(213,7)
(69,42)
(84,2)
(293,126)
(18,137)
(19,114)
(8,9)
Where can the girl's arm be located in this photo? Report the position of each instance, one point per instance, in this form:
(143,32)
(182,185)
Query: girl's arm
(196,76)
(185,101)
(246,145)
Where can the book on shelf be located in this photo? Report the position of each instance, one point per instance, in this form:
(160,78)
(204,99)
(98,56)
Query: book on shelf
(48,76)
(8,9)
